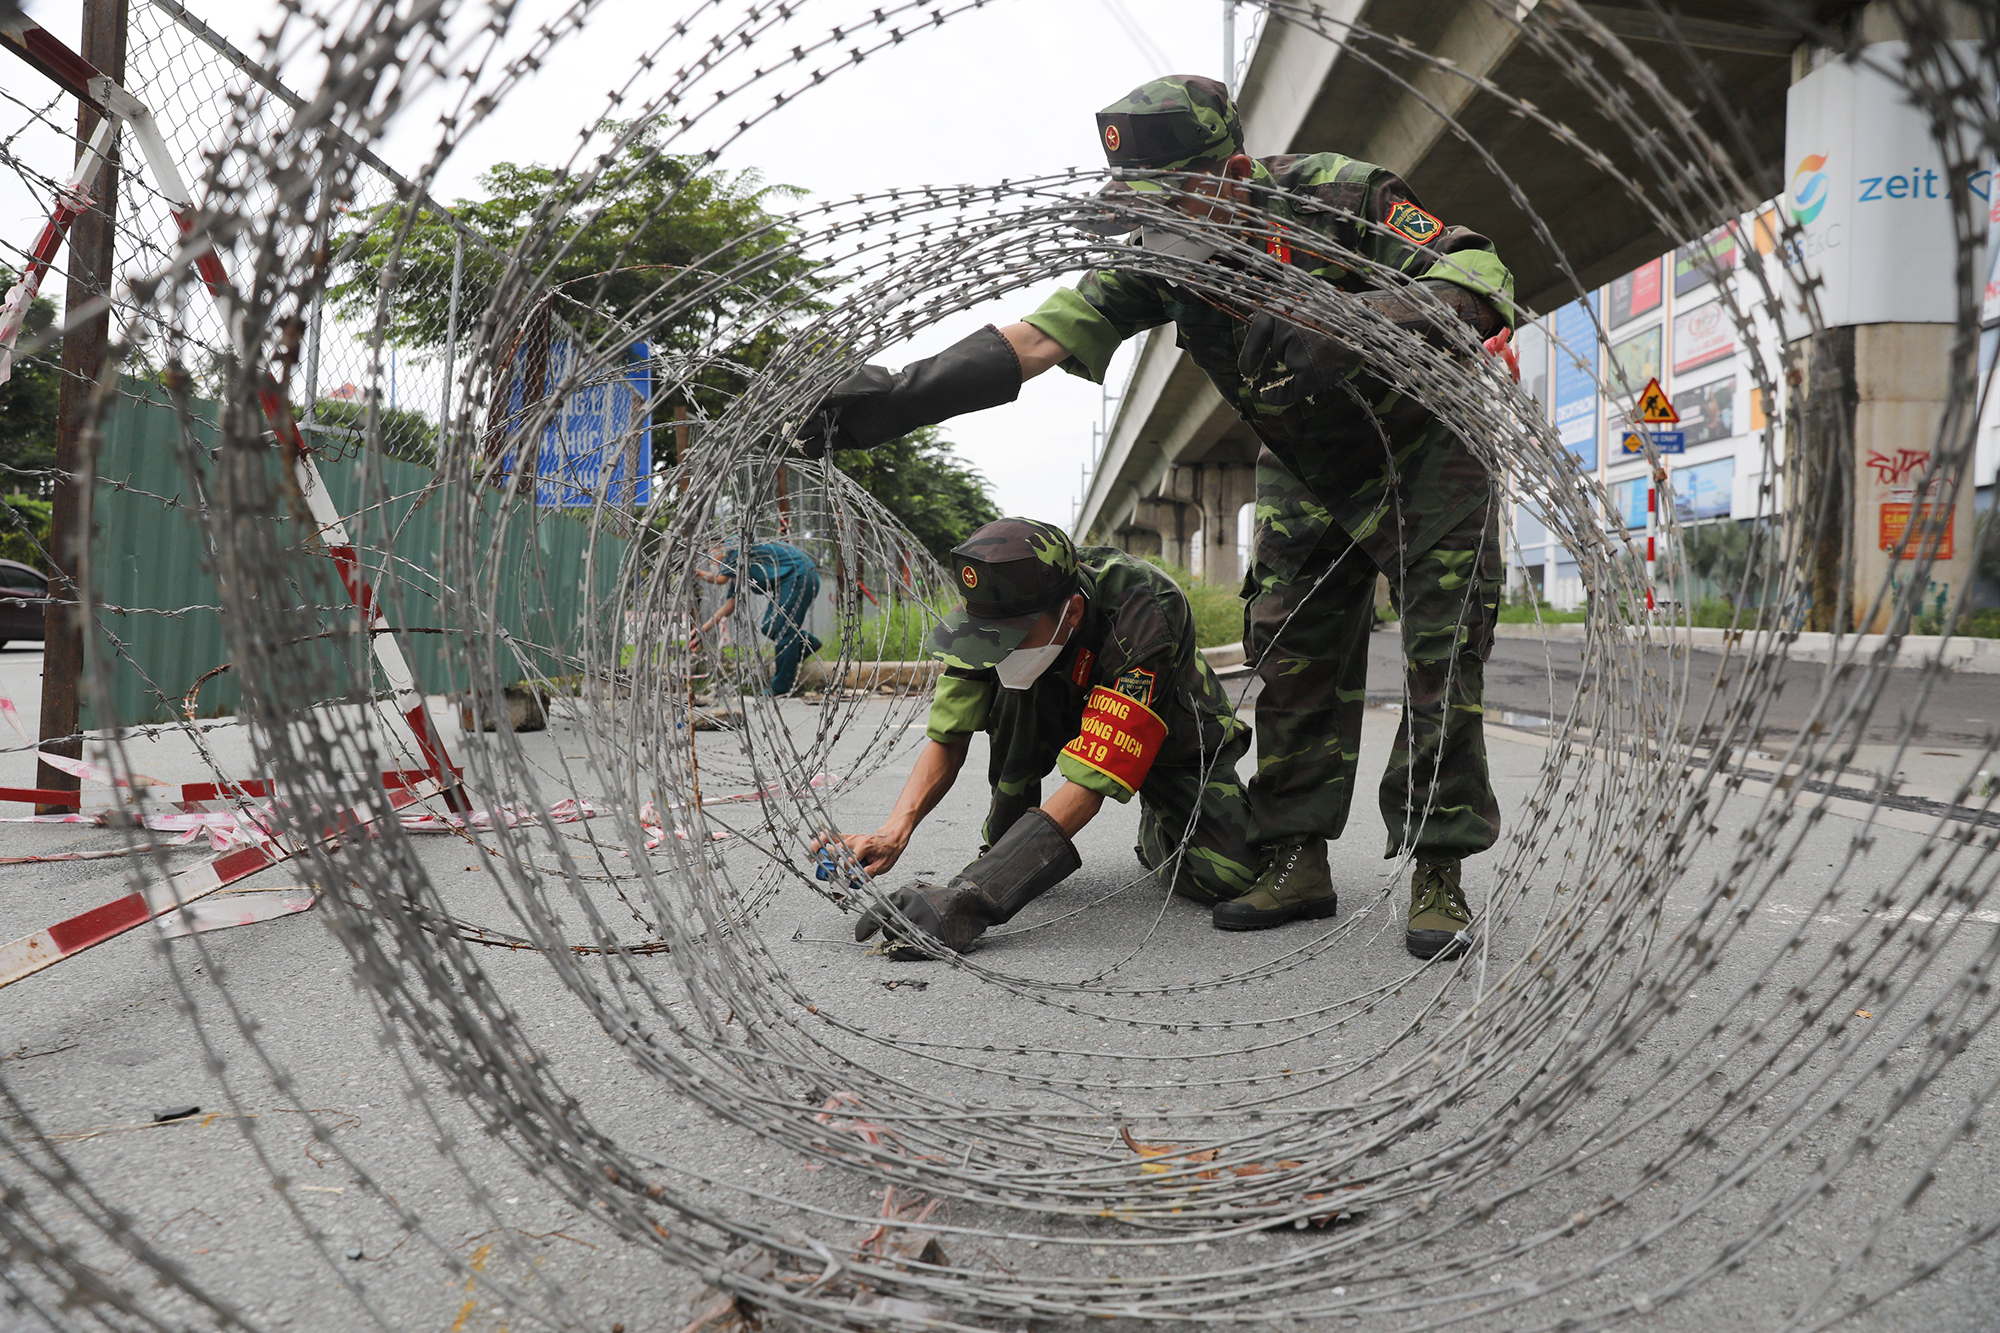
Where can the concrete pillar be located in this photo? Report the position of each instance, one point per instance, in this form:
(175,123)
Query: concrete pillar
(1224,488)
(1901,375)
(1142,542)
(1168,523)
(1878,467)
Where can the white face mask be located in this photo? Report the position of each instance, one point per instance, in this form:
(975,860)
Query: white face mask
(1191,246)
(1024,666)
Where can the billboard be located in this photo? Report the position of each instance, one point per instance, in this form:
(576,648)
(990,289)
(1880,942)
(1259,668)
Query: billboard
(1701,262)
(1628,499)
(1708,411)
(1576,382)
(1703,491)
(1702,336)
(1635,294)
(1868,186)
(598,444)
(1635,361)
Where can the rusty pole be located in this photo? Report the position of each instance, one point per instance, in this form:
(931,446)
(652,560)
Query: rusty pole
(91,246)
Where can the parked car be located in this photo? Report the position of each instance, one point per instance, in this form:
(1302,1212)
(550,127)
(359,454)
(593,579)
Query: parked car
(24,595)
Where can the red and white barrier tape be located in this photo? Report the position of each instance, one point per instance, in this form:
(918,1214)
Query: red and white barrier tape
(44,948)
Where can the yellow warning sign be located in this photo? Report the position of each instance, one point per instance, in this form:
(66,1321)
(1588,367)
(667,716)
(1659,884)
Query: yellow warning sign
(1654,409)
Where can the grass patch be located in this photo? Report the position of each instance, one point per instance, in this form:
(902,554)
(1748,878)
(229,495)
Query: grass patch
(1520,613)
(1218,611)
(902,633)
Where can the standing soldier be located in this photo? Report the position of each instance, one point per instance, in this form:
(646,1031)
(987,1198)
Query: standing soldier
(1354,477)
(1082,662)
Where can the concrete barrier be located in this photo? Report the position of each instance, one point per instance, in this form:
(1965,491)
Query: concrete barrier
(1915,650)
(818,675)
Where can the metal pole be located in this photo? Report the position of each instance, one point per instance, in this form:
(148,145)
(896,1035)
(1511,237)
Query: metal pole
(451,327)
(309,410)
(92,249)
(1229,46)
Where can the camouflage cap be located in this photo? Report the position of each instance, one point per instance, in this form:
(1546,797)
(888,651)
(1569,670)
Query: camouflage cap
(1013,570)
(1178,123)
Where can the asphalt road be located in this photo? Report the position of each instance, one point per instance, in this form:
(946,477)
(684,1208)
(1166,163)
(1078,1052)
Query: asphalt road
(95,1046)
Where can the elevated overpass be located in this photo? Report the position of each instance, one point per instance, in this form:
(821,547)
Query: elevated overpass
(1176,465)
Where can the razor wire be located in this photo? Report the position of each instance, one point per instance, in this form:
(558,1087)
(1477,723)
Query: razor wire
(1613,900)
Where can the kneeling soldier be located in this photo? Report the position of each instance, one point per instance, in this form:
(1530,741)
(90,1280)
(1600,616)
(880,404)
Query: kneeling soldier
(1085,662)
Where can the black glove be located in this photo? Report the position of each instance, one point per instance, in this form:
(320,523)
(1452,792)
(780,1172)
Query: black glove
(1287,364)
(1032,857)
(874,406)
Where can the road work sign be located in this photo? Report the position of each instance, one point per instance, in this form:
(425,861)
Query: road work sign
(1655,409)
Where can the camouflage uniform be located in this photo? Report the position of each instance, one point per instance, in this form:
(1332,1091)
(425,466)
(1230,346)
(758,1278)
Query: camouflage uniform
(1136,642)
(1362,480)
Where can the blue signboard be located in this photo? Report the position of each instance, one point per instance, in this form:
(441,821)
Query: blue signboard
(1666,441)
(1704,491)
(1575,392)
(598,444)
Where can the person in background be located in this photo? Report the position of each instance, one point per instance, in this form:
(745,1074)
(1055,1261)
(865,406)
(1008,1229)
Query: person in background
(786,577)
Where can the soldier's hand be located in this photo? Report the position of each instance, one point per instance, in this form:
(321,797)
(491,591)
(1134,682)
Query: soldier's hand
(823,430)
(1286,364)
(876,852)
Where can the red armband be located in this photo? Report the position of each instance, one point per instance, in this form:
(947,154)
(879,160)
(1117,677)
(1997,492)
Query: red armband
(1119,737)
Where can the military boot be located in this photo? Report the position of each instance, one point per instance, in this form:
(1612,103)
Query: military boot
(1440,922)
(1295,884)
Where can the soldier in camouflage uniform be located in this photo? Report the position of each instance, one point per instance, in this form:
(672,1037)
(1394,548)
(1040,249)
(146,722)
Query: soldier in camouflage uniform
(1354,477)
(1082,662)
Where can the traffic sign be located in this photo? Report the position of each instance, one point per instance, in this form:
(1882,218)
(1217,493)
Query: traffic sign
(1654,407)
(1664,441)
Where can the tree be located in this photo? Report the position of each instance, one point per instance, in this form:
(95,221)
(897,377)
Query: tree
(28,401)
(659,244)
(655,244)
(921,479)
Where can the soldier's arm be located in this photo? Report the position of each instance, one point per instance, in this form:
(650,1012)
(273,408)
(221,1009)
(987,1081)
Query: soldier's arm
(1078,329)
(1081,327)
(930,778)
(961,705)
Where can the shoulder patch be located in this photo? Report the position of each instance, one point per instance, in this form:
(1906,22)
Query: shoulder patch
(1136,685)
(1079,675)
(1407,220)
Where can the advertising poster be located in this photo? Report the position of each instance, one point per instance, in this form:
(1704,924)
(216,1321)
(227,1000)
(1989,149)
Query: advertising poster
(1867,184)
(1628,498)
(1701,262)
(1635,361)
(1575,378)
(1708,411)
(1702,491)
(1701,336)
(1635,294)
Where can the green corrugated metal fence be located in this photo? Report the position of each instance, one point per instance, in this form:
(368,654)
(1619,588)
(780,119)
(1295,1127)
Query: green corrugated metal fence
(162,633)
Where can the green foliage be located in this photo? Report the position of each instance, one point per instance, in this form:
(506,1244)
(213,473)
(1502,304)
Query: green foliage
(938,496)
(1981,624)
(901,633)
(653,240)
(1520,612)
(1986,564)
(405,434)
(28,399)
(1218,611)
(25,536)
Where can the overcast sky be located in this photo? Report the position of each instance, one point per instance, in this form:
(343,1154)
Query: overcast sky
(1006,91)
